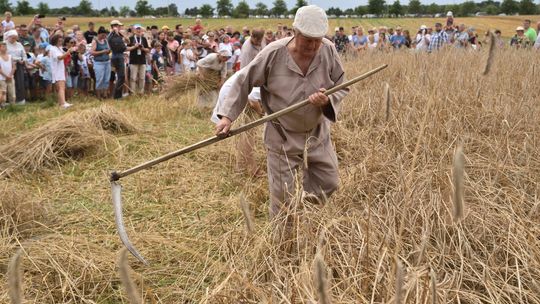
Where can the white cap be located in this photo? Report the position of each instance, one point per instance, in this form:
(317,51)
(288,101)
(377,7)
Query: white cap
(225,52)
(449,14)
(311,21)
(519,28)
(423,27)
(11,33)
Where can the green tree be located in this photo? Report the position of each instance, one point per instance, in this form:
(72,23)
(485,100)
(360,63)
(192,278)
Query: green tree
(492,9)
(173,10)
(43,8)
(261,9)
(24,8)
(241,10)
(415,7)
(5,5)
(361,10)
(104,12)
(396,9)
(280,7)
(336,11)
(376,7)
(123,11)
(527,7)
(433,9)
(206,10)
(143,8)
(299,4)
(113,11)
(84,8)
(468,8)
(509,7)
(224,7)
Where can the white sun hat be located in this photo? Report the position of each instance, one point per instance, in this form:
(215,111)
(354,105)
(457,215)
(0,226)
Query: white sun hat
(450,14)
(225,52)
(311,21)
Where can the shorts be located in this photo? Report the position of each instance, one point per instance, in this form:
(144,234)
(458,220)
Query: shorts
(72,81)
(3,86)
(43,83)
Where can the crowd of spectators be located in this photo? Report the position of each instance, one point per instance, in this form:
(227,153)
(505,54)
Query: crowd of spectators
(117,60)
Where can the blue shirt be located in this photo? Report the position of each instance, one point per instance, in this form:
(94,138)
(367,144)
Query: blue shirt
(397,41)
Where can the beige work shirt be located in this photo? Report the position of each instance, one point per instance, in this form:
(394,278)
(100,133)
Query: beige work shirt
(249,51)
(211,62)
(282,85)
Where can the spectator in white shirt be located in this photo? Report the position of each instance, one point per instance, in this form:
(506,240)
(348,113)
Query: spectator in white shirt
(7,23)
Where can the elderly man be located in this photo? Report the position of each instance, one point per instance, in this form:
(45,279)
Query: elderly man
(290,70)
(216,62)
(18,55)
(520,40)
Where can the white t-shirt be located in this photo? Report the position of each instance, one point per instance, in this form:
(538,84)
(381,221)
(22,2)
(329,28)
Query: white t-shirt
(422,42)
(255,95)
(187,55)
(537,43)
(8,25)
(236,55)
(58,70)
(6,67)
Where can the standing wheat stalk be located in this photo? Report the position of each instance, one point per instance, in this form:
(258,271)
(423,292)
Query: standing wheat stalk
(459,169)
(491,52)
(244,205)
(388,99)
(127,282)
(321,280)
(14,276)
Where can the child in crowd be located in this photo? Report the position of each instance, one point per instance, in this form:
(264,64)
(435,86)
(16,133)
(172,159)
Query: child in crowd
(188,58)
(7,70)
(158,63)
(84,77)
(149,79)
(237,46)
(45,76)
(31,73)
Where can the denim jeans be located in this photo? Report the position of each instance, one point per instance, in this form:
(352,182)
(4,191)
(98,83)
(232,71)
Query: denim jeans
(102,69)
(119,65)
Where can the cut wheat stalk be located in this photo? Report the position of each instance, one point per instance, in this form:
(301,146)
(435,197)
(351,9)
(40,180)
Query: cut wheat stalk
(491,53)
(128,283)
(458,172)
(321,280)
(14,276)
(248,217)
(399,281)
(388,99)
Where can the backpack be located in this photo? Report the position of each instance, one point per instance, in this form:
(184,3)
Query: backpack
(116,43)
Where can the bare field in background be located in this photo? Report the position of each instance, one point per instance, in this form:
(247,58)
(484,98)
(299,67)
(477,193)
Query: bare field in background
(506,24)
(387,232)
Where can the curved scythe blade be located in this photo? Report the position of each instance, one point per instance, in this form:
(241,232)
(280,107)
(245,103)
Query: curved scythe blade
(116,189)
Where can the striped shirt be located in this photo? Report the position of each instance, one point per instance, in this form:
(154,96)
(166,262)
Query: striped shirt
(438,39)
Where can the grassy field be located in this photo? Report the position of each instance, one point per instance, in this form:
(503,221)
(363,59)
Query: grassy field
(506,24)
(388,232)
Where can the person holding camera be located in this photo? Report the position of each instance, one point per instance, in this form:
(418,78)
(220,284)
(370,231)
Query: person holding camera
(118,47)
(138,48)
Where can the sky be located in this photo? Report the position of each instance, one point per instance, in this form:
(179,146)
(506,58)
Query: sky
(182,5)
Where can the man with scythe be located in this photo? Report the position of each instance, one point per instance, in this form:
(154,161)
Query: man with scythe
(288,71)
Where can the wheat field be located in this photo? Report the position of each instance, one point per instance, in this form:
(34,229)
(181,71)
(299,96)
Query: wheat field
(415,220)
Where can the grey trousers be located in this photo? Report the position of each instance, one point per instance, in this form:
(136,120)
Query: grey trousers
(320,178)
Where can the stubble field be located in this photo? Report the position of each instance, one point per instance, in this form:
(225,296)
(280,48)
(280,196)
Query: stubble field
(389,232)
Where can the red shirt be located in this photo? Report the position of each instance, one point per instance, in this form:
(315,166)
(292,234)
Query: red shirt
(197,29)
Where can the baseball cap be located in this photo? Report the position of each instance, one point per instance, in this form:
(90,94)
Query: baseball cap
(137,26)
(116,22)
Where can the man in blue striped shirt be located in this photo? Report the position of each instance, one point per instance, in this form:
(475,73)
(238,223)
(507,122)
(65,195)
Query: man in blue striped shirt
(438,38)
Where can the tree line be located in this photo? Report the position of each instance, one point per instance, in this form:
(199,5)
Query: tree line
(279,8)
